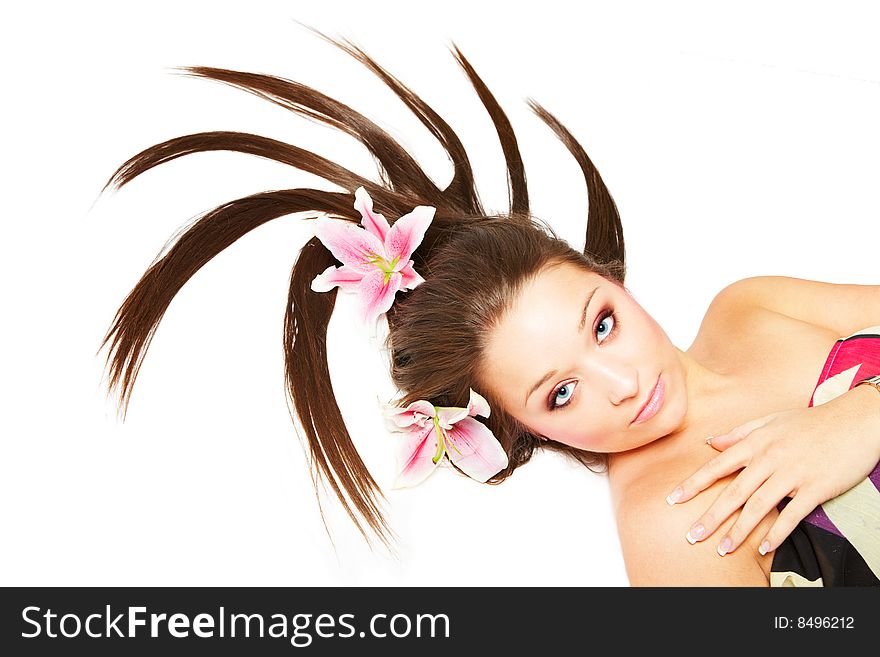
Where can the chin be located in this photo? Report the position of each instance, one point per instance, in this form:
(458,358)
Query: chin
(646,440)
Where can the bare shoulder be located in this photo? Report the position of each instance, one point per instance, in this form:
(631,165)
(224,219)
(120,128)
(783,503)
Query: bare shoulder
(841,308)
(729,325)
(765,318)
(656,552)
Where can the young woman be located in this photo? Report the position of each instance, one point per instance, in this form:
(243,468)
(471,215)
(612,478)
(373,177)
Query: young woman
(495,317)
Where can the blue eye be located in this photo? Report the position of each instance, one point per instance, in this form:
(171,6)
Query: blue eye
(605,321)
(607,326)
(563,394)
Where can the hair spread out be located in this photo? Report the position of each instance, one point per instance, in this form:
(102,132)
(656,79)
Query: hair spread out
(473,265)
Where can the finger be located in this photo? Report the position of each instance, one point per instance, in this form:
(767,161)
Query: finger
(736,434)
(759,504)
(734,496)
(725,440)
(795,511)
(717,467)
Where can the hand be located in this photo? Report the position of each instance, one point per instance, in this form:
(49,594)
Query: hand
(810,455)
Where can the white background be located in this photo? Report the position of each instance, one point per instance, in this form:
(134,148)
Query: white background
(736,141)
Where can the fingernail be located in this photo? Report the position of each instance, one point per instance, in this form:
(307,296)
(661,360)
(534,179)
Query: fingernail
(695,533)
(765,547)
(709,440)
(674,496)
(725,546)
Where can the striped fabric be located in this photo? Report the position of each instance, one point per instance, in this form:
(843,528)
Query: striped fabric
(838,544)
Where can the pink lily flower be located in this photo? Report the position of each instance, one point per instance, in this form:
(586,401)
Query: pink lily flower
(432,431)
(375,258)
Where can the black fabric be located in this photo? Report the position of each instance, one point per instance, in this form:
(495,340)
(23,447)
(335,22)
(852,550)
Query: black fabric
(813,552)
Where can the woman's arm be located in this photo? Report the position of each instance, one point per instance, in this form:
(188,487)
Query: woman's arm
(656,552)
(842,308)
(810,455)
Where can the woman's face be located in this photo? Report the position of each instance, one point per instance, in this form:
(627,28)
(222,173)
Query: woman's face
(582,378)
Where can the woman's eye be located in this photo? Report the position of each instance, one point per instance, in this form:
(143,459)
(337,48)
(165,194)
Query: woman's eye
(607,326)
(608,323)
(563,394)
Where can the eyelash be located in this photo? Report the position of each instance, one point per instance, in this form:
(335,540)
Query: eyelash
(605,314)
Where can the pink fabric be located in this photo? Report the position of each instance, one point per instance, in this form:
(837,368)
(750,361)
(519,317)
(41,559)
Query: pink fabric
(861,351)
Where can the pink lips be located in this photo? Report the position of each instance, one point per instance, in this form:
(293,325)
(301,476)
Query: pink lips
(653,404)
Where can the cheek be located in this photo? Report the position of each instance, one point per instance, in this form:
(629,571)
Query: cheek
(576,431)
(650,336)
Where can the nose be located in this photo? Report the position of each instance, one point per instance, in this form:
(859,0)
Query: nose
(619,380)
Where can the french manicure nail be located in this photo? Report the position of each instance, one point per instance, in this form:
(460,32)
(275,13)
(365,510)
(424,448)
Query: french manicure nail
(725,546)
(695,533)
(709,440)
(674,496)
(765,547)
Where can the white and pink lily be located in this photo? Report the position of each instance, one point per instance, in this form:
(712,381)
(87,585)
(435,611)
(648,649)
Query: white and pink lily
(432,431)
(376,258)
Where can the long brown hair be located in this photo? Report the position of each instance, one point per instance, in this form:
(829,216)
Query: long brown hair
(471,262)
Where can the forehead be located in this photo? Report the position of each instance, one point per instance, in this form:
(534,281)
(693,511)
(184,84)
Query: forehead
(555,295)
(540,321)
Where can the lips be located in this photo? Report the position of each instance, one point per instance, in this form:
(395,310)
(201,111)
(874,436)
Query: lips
(652,405)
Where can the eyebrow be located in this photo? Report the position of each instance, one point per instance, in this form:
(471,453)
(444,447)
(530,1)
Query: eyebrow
(580,330)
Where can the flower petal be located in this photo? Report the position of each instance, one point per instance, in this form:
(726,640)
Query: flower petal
(345,277)
(349,244)
(415,457)
(409,277)
(407,233)
(377,295)
(473,448)
(416,413)
(374,222)
(478,405)
(449,415)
